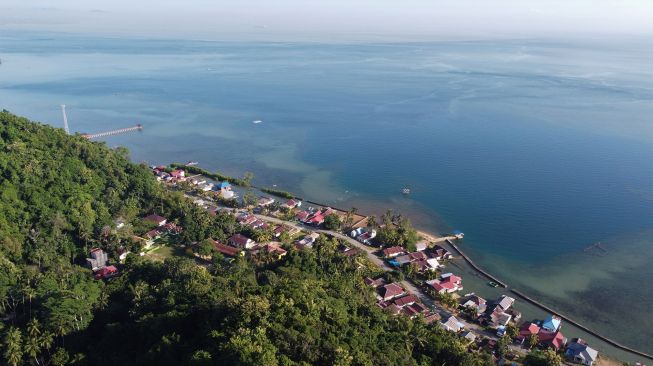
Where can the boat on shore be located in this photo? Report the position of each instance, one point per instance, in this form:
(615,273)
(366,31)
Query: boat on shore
(191,163)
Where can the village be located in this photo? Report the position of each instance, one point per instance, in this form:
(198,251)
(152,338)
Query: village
(413,282)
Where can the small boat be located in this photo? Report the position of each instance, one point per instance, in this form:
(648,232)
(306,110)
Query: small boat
(191,163)
(493,284)
(257,121)
(405,191)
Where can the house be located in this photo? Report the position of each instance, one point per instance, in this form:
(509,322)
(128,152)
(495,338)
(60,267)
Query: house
(316,219)
(206,187)
(526,331)
(178,174)
(552,323)
(158,220)
(374,282)
(363,234)
(307,241)
(390,291)
(273,248)
(350,252)
(447,283)
(105,272)
(302,216)
(505,302)
(430,264)
(292,203)
(154,234)
(98,259)
(226,250)
(475,302)
(498,318)
(265,201)
(405,300)
(393,252)
(452,324)
(554,340)
(415,309)
(579,352)
(280,229)
(469,336)
(223,186)
(411,257)
(246,219)
(241,241)
(440,253)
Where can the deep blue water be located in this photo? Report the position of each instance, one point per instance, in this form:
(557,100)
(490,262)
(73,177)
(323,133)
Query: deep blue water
(535,149)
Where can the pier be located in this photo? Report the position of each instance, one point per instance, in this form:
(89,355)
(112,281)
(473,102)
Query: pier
(89,136)
(473,265)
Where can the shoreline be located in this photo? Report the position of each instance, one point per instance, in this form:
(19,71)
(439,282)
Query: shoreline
(437,238)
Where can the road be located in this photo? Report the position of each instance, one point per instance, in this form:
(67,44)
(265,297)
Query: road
(407,285)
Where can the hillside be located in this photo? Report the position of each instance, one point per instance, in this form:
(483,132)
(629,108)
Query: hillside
(60,197)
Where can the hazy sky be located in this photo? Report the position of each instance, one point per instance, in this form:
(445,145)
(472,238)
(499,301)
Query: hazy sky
(333,18)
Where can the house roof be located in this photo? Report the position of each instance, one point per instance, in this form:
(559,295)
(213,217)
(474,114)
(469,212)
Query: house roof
(392,251)
(302,215)
(154,218)
(505,302)
(529,328)
(552,323)
(240,239)
(391,290)
(222,185)
(582,351)
(415,308)
(405,300)
(226,249)
(555,339)
(374,282)
(451,323)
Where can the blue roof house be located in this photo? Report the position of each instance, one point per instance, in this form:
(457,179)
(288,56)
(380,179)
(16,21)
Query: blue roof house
(552,323)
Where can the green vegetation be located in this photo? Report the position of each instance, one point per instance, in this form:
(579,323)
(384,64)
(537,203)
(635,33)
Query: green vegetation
(542,358)
(243,182)
(332,222)
(60,195)
(396,230)
(278,193)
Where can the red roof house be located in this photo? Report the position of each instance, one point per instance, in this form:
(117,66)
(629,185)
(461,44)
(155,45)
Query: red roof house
(393,252)
(105,272)
(550,339)
(390,291)
(449,283)
(159,220)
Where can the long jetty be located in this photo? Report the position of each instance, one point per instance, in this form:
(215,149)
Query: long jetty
(473,265)
(586,329)
(113,132)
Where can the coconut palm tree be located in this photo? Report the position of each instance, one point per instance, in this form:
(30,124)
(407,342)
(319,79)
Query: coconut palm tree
(13,347)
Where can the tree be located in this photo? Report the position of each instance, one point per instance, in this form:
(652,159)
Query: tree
(512,330)
(13,347)
(247,179)
(249,199)
(532,341)
(332,222)
(542,358)
(205,248)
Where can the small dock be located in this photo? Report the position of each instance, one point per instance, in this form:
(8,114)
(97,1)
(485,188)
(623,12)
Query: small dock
(138,127)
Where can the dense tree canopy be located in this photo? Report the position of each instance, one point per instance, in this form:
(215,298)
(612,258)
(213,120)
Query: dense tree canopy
(60,196)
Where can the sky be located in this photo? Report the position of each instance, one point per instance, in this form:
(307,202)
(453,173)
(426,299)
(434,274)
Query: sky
(400,19)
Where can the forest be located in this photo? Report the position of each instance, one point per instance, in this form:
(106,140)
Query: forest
(61,196)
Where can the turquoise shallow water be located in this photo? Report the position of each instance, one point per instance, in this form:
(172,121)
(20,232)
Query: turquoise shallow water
(535,149)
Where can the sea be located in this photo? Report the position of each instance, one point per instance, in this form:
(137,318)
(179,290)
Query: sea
(537,149)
